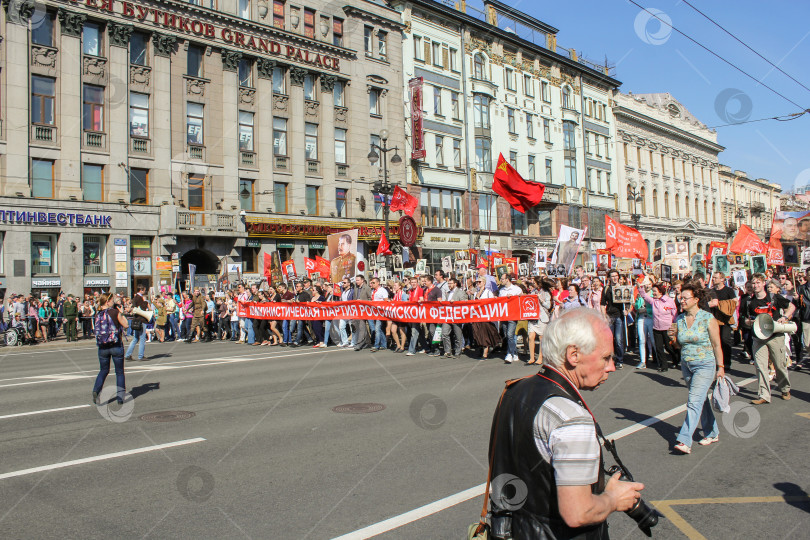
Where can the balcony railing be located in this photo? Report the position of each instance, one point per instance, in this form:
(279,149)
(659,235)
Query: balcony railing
(94,139)
(313,167)
(207,221)
(139,146)
(196,152)
(248,158)
(281,162)
(343,171)
(757,207)
(43,133)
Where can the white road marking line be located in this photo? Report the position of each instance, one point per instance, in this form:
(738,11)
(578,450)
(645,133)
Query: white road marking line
(157,367)
(101,457)
(478,491)
(49,351)
(43,411)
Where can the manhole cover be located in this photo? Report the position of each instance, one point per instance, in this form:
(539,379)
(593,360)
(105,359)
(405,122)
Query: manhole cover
(359,408)
(166,416)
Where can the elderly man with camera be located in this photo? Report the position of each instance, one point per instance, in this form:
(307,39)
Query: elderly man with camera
(545,444)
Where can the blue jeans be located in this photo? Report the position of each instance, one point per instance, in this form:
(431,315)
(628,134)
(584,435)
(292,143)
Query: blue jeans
(116,353)
(175,327)
(251,338)
(617,327)
(139,338)
(327,327)
(234,330)
(379,334)
(416,333)
(344,336)
(285,331)
(699,376)
(511,340)
(644,328)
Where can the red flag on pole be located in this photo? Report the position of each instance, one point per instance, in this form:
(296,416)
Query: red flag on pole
(268,263)
(384,248)
(746,241)
(309,265)
(624,241)
(520,194)
(402,200)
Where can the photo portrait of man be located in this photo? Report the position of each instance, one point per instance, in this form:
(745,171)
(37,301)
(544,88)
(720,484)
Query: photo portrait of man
(670,249)
(567,250)
(343,264)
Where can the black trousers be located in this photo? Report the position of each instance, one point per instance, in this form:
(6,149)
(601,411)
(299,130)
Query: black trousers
(726,341)
(663,349)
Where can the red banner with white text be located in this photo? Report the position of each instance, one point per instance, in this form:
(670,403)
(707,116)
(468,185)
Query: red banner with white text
(512,308)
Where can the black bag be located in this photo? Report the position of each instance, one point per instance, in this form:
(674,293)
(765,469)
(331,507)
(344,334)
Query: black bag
(137,324)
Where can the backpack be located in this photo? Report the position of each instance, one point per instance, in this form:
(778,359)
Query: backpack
(106,329)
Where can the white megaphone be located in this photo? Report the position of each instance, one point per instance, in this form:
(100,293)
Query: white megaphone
(141,313)
(765,327)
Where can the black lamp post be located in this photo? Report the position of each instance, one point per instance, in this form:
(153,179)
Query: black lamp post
(634,197)
(383,187)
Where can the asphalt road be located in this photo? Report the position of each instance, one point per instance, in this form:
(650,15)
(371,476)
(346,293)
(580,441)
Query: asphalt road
(264,455)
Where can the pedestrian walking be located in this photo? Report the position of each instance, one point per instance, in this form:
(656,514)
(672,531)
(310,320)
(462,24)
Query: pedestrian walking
(698,335)
(109,324)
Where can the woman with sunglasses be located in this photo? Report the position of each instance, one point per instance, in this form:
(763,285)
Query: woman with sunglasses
(698,335)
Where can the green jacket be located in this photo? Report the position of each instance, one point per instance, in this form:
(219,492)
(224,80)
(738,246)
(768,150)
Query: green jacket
(71,310)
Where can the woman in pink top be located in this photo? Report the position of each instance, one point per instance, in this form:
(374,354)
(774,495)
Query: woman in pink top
(664,312)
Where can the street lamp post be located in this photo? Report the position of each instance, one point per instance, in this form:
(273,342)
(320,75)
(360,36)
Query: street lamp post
(634,197)
(383,187)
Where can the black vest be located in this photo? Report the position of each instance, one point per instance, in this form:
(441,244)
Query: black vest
(516,454)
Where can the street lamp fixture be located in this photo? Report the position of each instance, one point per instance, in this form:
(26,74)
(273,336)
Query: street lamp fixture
(383,187)
(634,197)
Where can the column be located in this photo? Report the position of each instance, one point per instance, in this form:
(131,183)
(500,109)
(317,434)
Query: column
(161,101)
(263,125)
(69,106)
(16,179)
(296,195)
(116,177)
(327,142)
(230,129)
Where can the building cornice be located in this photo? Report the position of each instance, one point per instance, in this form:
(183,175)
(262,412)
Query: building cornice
(620,111)
(462,18)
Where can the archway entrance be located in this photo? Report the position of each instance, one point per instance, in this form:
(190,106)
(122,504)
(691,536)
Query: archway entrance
(205,261)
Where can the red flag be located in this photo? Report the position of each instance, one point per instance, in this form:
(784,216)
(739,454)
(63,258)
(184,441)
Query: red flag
(624,241)
(309,265)
(520,194)
(746,241)
(322,266)
(384,248)
(402,200)
(268,262)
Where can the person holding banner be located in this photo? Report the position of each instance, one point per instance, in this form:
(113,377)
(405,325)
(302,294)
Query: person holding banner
(454,294)
(378,294)
(485,333)
(614,313)
(509,289)
(361,292)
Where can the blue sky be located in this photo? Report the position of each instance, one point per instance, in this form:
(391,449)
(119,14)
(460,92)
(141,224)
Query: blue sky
(655,59)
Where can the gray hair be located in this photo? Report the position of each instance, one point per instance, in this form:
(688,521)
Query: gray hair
(775,283)
(575,327)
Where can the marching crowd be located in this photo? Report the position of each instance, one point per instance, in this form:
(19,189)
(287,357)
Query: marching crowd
(662,322)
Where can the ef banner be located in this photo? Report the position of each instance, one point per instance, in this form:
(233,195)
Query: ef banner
(512,308)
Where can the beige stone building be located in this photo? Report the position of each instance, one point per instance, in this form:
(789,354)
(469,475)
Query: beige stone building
(214,130)
(748,201)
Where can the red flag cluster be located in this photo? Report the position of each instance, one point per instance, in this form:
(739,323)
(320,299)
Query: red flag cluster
(402,200)
(624,241)
(747,242)
(521,194)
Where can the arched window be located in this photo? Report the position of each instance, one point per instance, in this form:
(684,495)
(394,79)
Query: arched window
(478,66)
(686,205)
(677,205)
(567,102)
(699,248)
(655,202)
(714,213)
(666,204)
(658,244)
(643,201)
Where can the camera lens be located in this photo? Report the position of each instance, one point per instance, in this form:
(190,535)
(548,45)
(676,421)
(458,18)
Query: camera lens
(644,516)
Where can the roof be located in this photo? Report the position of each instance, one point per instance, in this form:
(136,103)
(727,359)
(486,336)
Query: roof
(665,101)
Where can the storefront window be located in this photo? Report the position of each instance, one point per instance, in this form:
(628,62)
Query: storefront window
(544,220)
(519,223)
(43,254)
(93,250)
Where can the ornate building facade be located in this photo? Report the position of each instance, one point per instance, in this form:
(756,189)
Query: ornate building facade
(487,92)
(669,182)
(133,131)
(748,201)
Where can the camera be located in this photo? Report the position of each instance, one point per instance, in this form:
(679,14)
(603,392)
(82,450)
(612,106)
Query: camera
(641,513)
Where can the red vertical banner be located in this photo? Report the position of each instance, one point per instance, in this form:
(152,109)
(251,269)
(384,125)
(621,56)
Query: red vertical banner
(417,133)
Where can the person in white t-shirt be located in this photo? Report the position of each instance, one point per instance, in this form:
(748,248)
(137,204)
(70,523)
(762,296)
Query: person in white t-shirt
(510,289)
(378,294)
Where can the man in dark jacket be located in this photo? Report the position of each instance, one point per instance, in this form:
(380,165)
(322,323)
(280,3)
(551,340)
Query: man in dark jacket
(361,292)
(71,311)
(544,440)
